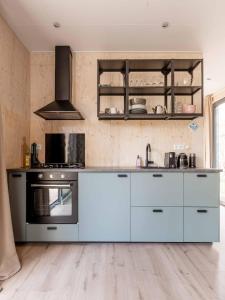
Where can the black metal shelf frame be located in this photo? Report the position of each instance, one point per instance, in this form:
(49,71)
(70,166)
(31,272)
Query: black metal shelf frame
(166,67)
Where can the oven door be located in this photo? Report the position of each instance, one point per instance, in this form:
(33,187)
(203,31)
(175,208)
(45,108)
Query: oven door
(52,202)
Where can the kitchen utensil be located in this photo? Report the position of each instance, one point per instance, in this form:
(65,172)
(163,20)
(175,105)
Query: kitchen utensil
(134,101)
(113,110)
(170,160)
(159,109)
(179,108)
(182,161)
(189,108)
(192,160)
(107,111)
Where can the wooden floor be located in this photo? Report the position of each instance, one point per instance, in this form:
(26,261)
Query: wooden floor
(120,271)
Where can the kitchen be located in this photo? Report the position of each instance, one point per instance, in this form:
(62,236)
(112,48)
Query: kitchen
(120,196)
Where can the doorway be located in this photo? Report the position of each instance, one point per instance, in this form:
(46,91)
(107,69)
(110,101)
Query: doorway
(219,143)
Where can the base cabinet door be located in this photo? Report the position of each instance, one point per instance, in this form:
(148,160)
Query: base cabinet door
(52,232)
(201,224)
(157,224)
(104,207)
(17,197)
(202,189)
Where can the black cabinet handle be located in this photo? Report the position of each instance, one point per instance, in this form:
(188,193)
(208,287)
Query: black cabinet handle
(122,175)
(157,210)
(157,175)
(16,175)
(51,228)
(201,175)
(202,211)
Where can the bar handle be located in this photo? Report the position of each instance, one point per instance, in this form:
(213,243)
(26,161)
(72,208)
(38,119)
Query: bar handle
(122,175)
(157,175)
(202,211)
(157,210)
(16,175)
(51,227)
(202,175)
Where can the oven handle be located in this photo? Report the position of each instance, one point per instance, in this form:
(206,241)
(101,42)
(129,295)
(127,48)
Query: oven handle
(51,185)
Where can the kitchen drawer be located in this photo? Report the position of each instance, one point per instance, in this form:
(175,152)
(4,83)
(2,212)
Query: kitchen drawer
(157,224)
(201,189)
(52,232)
(157,189)
(201,224)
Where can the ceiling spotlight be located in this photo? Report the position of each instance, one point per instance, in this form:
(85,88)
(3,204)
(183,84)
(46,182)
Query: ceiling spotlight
(165,24)
(57,25)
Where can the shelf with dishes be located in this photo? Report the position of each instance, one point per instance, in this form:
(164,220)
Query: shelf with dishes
(178,84)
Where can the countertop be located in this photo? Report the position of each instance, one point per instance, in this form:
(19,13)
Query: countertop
(120,169)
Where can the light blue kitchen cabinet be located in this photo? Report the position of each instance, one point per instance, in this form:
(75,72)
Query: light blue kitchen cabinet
(202,189)
(201,224)
(17,197)
(157,224)
(157,189)
(104,207)
(52,232)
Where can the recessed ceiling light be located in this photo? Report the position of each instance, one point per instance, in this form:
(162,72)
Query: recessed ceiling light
(57,25)
(165,24)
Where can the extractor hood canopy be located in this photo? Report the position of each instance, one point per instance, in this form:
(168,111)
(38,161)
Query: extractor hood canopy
(61,108)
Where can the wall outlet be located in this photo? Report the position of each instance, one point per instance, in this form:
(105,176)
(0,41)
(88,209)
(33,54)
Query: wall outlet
(180,147)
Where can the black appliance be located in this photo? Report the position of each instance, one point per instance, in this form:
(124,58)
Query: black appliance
(52,197)
(182,161)
(192,160)
(35,163)
(170,160)
(65,150)
(61,108)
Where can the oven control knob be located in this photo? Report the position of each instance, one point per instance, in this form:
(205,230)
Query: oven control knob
(62,176)
(51,176)
(40,175)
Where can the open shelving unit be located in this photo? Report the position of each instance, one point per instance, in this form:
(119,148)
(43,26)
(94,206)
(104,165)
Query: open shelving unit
(169,89)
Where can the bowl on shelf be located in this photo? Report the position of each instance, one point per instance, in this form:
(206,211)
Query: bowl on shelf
(189,108)
(135,101)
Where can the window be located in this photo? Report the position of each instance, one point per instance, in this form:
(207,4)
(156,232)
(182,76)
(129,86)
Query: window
(219,143)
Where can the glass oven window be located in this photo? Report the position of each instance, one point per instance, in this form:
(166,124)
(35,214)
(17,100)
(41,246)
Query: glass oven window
(52,202)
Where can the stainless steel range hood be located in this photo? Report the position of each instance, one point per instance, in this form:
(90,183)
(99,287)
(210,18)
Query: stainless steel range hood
(61,108)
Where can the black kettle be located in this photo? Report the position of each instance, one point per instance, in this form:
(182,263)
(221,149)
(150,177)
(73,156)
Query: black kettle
(182,161)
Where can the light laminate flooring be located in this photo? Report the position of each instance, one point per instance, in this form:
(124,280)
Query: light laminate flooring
(111,271)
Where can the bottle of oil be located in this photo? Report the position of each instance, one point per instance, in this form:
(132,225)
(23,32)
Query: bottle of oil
(26,155)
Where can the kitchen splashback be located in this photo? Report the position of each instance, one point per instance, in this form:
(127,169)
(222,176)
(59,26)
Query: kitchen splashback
(108,143)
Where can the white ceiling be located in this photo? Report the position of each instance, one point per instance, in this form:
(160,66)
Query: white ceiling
(102,25)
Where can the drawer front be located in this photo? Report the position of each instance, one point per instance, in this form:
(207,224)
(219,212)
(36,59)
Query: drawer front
(157,224)
(201,224)
(201,189)
(157,189)
(52,232)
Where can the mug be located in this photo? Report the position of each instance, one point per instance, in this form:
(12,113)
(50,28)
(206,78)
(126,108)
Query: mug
(113,110)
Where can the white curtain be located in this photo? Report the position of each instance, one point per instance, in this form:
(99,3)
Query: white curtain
(9,262)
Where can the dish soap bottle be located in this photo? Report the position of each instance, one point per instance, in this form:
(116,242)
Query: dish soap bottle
(138,161)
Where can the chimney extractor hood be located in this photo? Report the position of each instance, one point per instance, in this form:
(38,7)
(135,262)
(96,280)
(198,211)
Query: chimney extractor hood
(61,108)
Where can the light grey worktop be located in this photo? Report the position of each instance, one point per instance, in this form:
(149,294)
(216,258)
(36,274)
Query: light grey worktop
(120,169)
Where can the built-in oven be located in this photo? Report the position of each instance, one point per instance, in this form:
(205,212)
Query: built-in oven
(52,197)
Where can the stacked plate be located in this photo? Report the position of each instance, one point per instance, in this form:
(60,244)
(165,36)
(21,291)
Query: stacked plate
(137,106)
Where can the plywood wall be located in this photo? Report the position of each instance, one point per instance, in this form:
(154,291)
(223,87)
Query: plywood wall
(108,143)
(14,94)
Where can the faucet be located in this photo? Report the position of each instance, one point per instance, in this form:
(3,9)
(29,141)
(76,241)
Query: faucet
(148,153)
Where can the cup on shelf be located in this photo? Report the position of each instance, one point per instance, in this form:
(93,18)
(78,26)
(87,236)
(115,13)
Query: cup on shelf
(189,108)
(113,110)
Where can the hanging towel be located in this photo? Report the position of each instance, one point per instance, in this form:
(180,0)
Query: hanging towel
(9,262)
